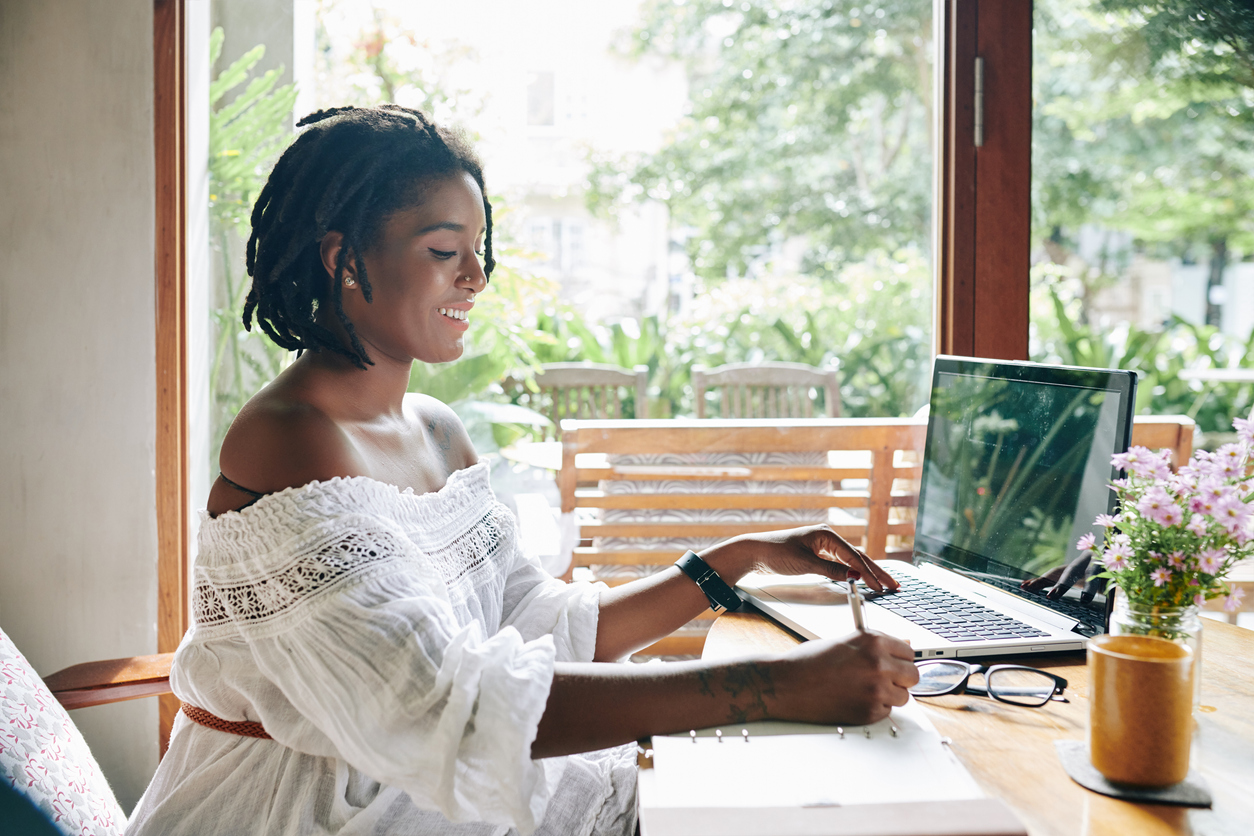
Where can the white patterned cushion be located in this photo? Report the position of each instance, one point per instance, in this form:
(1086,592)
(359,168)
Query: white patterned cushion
(43,756)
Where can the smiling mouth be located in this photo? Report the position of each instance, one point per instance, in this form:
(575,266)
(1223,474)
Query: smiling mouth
(453,313)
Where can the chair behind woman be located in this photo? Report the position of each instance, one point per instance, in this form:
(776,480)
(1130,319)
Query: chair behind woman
(768,390)
(591,391)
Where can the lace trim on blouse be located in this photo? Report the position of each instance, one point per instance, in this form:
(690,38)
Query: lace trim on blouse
(258,566)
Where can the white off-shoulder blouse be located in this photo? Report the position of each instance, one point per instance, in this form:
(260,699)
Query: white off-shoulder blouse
(399,648)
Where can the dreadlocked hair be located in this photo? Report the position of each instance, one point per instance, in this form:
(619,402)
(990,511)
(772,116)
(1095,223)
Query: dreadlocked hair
(349,172)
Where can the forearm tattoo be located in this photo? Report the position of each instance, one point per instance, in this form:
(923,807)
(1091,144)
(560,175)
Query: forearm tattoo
(748,684)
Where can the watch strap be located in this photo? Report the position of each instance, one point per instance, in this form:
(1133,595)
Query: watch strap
(719,594)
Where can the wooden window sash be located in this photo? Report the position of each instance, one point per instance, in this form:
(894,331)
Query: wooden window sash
(172,491)
(983,195)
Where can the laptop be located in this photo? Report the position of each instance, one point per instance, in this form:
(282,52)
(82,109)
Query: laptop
(1016,468)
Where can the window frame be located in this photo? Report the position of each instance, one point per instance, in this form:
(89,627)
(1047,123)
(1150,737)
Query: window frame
(982,228)
(172,460)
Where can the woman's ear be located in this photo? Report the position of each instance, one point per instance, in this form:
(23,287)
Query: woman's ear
(329,251)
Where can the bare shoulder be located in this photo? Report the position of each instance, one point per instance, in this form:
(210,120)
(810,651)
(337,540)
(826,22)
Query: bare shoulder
(280,441)
(444,429)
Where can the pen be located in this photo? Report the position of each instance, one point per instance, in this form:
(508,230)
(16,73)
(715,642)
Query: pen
(855,601)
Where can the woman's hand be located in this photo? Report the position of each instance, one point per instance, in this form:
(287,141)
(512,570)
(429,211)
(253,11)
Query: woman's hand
(856,679)
(815,549)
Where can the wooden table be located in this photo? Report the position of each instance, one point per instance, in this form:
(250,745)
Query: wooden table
(1010,750)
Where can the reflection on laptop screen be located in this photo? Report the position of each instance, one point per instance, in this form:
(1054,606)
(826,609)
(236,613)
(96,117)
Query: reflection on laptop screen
(1016,468)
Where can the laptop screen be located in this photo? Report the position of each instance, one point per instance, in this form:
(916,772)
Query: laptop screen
(1016,468)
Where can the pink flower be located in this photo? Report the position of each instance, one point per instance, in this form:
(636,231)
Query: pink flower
(1115,563)
(1162,466)
(1116,557)
(1213,489)
(1232,513)
(1211,561)
(1176,560)
(1232,453)
(1086,542)
(1245,429)
(1199,599)
(1233,602)
(1171,515)
(1108,521)
(1197,525)
(1160,576)
(1232,471)
(1154,503)
(1138,460)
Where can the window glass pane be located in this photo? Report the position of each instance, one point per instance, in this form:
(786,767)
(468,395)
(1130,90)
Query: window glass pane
(704,182)
(252,43)
(1143,195)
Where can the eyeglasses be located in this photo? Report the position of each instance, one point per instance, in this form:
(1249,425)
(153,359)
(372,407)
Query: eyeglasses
(1014,684)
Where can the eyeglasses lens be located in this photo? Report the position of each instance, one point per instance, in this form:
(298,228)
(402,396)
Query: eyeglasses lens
(1021,687)
(937,678)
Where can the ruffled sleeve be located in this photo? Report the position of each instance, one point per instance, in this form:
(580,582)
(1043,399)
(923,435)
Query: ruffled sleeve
(357,653)
(536,604)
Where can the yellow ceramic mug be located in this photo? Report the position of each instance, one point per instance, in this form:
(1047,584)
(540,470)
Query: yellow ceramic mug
(1140,709)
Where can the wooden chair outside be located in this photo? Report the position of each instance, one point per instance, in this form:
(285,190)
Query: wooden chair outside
(767,390)
(878,459)
(591,391)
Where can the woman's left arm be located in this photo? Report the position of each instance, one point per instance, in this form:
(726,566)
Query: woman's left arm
(636,614)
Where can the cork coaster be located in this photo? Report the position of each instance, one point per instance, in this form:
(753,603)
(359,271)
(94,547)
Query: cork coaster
(1074,754)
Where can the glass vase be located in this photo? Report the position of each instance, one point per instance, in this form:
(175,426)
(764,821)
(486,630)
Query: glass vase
(1182,625)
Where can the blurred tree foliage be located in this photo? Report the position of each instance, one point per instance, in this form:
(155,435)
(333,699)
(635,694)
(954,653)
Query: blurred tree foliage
(1144,123)
(872,324)
(385,62)
(1159,355)
(809,123)
(1211,42)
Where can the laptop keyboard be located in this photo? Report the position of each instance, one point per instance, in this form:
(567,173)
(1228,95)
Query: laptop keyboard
(1067,607)
(948,615)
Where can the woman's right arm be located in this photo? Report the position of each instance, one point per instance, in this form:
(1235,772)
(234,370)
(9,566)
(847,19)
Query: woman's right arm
(852,680)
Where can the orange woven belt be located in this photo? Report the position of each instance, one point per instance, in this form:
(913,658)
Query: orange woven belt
(204,718)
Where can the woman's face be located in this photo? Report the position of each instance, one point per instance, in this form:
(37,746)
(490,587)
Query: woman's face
(424,270)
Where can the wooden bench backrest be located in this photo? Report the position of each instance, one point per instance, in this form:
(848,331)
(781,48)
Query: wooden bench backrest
(890,466)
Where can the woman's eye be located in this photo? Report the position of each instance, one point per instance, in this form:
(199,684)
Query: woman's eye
(443,256)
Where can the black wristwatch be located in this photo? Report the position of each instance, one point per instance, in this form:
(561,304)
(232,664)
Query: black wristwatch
(720,595)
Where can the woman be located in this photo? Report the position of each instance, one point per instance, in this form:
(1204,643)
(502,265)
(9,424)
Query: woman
(361,605)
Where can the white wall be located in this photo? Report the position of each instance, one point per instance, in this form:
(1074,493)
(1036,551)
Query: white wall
(77,380)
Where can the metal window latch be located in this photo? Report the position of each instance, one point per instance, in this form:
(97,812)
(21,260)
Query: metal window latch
(979,102)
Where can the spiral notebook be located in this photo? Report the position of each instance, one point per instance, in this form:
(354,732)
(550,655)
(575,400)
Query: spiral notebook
(896,776)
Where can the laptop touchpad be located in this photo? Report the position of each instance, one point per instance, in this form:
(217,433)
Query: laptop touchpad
(819,591)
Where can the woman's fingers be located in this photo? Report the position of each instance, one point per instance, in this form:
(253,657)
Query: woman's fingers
(839,549)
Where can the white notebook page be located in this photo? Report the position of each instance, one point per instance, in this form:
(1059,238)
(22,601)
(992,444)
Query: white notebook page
(797,765)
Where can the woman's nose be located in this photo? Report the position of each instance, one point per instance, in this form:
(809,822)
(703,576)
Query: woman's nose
(474,273)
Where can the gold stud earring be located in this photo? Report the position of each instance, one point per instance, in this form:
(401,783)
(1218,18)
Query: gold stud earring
(349,281)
